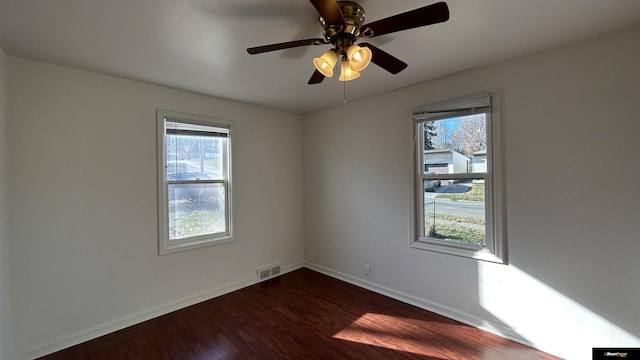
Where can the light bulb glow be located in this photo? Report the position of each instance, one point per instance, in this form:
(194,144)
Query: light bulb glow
(347,73)
(359,57)
(325,63)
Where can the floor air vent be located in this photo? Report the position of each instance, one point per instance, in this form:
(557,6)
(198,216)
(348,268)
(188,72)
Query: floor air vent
(268,272)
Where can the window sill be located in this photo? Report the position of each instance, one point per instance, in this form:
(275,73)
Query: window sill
(169,247)
(471,252)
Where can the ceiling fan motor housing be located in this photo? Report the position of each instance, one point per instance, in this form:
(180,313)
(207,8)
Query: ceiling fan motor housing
(353,15)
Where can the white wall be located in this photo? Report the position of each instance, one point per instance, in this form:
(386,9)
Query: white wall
(82,185)
(571,150)
(6,343)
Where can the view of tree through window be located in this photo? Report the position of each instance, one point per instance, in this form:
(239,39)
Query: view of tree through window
(454,149)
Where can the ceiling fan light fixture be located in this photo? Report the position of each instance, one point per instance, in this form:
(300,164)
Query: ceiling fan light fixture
(325,63)
(346,72)
(343,24)
(359,57)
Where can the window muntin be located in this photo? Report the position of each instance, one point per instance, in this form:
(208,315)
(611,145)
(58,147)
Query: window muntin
(457,198)
(194,184)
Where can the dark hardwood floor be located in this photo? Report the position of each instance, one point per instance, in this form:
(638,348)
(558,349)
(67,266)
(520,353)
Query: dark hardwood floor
(300,315)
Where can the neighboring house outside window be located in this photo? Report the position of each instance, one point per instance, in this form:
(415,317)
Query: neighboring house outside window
(445,161)
(479,161)
(458,178)
(194,181)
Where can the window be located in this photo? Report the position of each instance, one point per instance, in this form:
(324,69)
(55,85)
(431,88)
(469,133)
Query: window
(458,173)
(194,170)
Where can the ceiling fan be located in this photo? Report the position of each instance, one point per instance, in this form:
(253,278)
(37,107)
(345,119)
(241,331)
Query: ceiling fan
(342,23)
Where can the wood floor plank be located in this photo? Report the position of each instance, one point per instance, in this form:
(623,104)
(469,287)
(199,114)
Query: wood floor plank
(301,315)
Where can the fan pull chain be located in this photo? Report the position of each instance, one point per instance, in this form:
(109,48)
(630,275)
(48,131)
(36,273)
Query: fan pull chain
(344,92)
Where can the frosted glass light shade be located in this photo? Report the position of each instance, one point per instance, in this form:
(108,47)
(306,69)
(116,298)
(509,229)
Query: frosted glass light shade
(346,73)
(359,57)
(326,62)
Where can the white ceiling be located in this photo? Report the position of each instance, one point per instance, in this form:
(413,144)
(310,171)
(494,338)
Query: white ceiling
(200,45)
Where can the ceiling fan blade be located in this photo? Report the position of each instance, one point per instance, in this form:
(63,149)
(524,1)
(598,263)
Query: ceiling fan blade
(385,60)
(316,78)
(329,11)
(430,14)
(285,45)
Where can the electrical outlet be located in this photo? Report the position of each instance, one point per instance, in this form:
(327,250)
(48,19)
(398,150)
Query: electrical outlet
(367,269)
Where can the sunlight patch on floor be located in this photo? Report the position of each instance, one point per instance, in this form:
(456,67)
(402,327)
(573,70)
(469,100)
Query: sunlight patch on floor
(396,333)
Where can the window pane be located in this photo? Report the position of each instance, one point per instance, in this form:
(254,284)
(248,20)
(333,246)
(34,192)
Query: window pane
(196,209)
(194,157)
(455,145)
(455,211)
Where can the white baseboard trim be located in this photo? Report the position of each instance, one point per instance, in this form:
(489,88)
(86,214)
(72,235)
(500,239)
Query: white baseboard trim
(93,332)
(136,318)
(489,326)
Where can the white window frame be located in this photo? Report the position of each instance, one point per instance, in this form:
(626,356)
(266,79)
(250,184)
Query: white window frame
(165,244)
(495,247)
